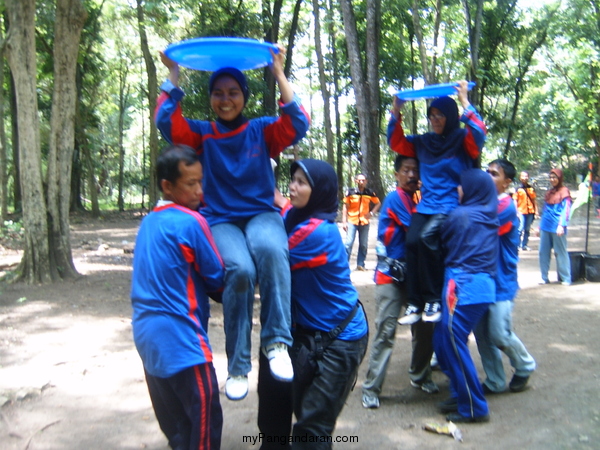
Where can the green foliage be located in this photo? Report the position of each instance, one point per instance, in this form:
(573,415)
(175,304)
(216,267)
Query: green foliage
(556,86)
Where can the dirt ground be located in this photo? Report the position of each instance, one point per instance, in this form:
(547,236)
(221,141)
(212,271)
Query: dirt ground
(70,377)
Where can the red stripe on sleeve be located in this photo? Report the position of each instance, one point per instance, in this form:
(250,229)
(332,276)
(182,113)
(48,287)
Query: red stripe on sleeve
(279,135)
(503,229)
(399,143)
(470,145)
(317,261)
(301,234)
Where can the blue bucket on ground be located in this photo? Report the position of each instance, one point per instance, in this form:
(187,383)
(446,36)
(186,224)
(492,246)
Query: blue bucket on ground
(592,267)
(577,265)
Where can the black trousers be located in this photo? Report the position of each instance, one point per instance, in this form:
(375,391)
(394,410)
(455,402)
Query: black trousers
(188,408)
(318,405)
(274,408)
(424,259)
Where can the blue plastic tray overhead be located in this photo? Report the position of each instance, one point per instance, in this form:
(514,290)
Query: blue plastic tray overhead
(213,53)
(435,90)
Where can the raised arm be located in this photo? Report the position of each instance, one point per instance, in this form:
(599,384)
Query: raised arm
(285,88)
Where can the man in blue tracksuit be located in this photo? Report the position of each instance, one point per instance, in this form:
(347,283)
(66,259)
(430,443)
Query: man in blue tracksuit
(175,264)
(394,220)
(494,332)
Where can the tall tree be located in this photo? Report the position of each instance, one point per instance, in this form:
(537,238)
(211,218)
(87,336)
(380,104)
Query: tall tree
(35,265)
(70,18)
(47,254)
(152,94)
(3,149)
(323,82)
(366,84)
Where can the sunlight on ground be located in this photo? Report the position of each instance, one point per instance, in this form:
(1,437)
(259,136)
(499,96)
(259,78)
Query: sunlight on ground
(573,349)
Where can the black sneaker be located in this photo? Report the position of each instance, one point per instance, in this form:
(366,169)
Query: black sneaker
(432,312)
(426,386)
(459,418)
(411,315)
(518,384)
(449,405)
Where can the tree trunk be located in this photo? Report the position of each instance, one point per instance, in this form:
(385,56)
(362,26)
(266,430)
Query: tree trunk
(336,99)
(35,265)
(91,179)
(14,139)
(287,68)
(123,101)
(474,30)
(271,20)
(371,164)
(3,150)
(152,96)
(369,129)
(323,83)
(70,18)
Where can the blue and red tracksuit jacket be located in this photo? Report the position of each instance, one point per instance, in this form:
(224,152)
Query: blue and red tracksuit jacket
(507,283)
(238,179)
(440,175)
(394,220)
(322,292)
(175,264)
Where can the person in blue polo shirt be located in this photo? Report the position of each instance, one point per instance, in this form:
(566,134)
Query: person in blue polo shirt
(174,266)
(494,332)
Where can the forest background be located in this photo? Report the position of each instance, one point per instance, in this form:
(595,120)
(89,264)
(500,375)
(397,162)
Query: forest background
(79,79)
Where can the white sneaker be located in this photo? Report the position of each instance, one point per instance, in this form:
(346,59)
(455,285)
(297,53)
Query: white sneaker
(236,387)
(411,315)
(432,312)
(279,361)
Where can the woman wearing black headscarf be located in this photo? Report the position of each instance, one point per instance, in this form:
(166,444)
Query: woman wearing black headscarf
(470,241)
(553,229)
(323,300)
(443,154)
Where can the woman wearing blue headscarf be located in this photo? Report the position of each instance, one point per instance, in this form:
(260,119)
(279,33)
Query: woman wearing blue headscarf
(470,242)
(443,154)
(325,306)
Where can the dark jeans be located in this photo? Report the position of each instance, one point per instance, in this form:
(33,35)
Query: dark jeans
(187,407)
(424,258)
(527,221)
(274,408)
(318,405)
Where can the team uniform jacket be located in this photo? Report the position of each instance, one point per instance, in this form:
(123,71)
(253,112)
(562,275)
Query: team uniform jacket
(238,179)
(175,264)
(507,283)
(358,204)
(442,171)
(394,220)
(525,203)
(555,215)
(322,293)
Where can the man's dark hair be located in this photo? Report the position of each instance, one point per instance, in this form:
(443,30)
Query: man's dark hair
(400,160)
(167,164)
(360,174)
(509,169)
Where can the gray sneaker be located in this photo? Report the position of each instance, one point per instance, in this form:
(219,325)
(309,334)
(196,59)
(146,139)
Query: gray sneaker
(426,386)
(370,401)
